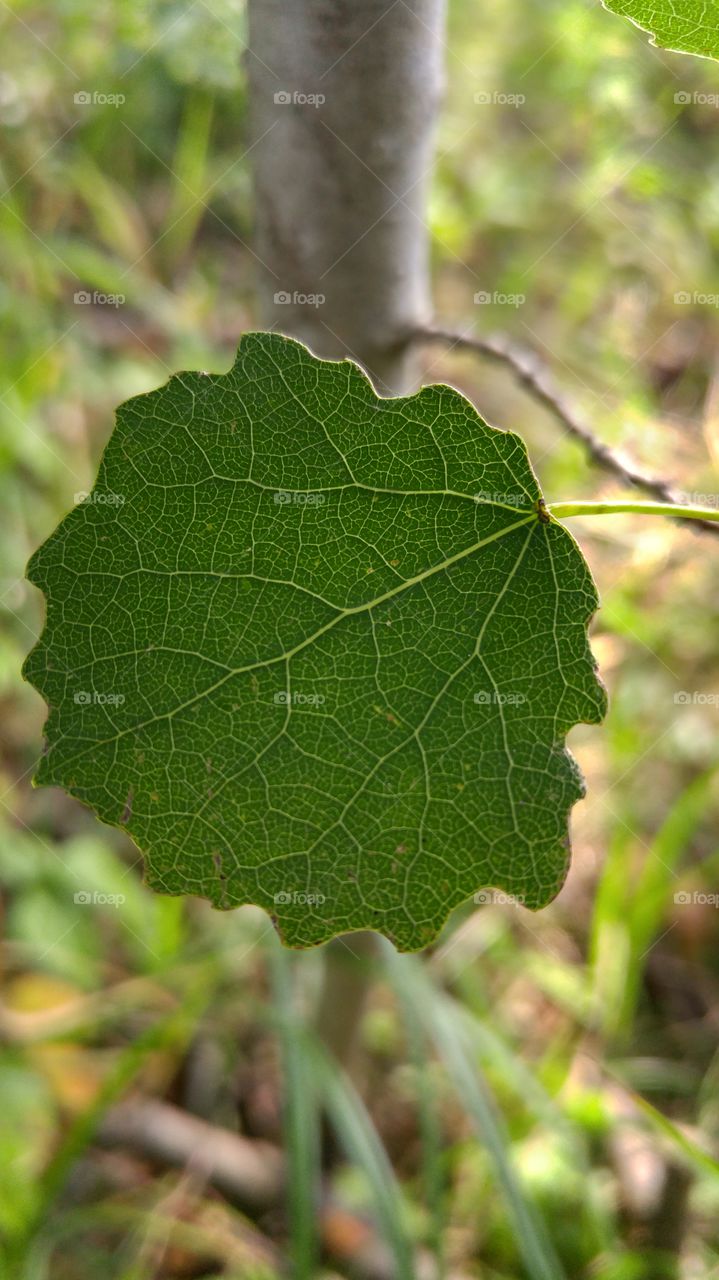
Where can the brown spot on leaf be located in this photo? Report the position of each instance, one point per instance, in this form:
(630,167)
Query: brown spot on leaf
(127,811)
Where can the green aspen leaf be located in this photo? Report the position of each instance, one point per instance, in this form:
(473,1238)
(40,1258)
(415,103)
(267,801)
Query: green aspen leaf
(318,650)
(685,26)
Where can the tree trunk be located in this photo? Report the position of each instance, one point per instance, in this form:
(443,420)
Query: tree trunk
(344,94)
(343,99)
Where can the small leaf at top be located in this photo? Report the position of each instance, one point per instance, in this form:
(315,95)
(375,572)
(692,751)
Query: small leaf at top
(318,650)
(685,26)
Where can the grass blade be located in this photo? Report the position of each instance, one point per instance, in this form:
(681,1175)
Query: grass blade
(454,1048)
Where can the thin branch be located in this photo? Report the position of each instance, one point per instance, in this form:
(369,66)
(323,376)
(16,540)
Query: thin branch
(536,379)
(249,1173)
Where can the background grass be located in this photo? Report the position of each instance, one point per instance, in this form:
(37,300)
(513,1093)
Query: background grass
(537,1096)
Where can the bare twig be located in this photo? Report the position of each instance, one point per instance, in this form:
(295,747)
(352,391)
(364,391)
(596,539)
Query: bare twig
(250,1174)
(533,375)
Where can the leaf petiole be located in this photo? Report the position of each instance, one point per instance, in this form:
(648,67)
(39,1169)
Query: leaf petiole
(561,510)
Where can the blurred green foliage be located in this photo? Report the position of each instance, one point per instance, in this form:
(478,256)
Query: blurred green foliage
(579,1031)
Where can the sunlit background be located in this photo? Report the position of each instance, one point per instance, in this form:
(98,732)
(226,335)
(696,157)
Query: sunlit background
(537,1095)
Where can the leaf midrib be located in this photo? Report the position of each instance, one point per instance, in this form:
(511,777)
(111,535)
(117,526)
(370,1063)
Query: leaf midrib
(352,611)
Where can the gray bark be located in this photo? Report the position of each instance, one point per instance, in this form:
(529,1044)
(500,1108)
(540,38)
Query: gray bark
(343,100)
(340,184)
